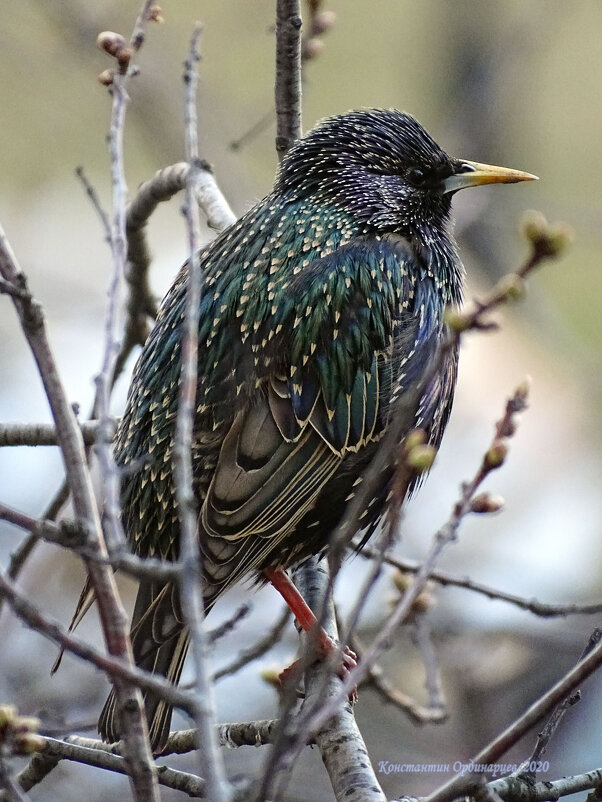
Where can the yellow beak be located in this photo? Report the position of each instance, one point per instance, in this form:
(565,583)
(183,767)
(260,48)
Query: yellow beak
(473,174)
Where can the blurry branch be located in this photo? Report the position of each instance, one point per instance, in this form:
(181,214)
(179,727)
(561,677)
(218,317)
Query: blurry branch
(447,534)
(547,733)
(191,578)
(162,187)
(258,650)
(43,434)
(461,785)
(227,626)
(115,667)
(422,638)
(442,578)
(376,678)
(318,23)
(113,618)
(19,557)
(95,201)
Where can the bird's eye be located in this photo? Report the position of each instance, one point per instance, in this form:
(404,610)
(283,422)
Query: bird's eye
(416,177)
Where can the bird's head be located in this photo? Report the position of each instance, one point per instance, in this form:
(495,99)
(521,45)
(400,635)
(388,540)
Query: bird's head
(384,169)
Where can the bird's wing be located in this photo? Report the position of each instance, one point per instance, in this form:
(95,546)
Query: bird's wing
(347,324)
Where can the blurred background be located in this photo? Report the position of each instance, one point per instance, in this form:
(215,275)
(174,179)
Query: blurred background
(515,83)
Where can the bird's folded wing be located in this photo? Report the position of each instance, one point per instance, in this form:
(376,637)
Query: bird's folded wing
(328,398)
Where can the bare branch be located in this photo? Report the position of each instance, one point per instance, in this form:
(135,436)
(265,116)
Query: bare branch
(513,789)
(443,578)
(288,74)
(43,434)
(547,733)
(459,786)
(258,650)
(94,753)
(95,201)
(377,679)
(246,733)
(115,667)
(190,584)
(113,617)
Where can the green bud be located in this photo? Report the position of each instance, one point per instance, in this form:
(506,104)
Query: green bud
(534,226)
(415,438)
(421,457)
(496,455)
(511,287)
(456,321)
(271,676)
(560,236)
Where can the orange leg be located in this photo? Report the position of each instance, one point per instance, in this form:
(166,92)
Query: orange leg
(307,621)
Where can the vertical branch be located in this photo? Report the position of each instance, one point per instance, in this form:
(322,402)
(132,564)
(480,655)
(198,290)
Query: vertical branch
(191,592)
(112,614)
(339,740)
(288,75)
(112,342)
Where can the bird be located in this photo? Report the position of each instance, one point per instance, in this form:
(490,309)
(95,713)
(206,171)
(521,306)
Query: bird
(320,306)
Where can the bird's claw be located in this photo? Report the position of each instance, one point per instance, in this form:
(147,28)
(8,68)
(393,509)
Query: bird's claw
(326,646)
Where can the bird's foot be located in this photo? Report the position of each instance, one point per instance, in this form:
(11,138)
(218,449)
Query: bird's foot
(323,643)
(325,647)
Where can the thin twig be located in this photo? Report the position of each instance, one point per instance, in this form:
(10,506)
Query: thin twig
(377,679)
(460,785)
(19,557)
(70,536)
(258,649)
(112,614)
(547,733)
(227,626)
(191,592)
(443,578)
(95,201)
(444,536)
(116,667)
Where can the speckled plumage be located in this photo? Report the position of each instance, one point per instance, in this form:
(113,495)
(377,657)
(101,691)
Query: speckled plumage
(319,305)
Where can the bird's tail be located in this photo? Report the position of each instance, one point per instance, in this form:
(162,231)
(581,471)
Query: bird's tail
(160,643)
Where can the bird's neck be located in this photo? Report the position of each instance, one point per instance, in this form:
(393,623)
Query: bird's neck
(437,253)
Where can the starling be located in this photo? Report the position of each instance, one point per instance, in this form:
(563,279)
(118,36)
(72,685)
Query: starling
(319,306)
